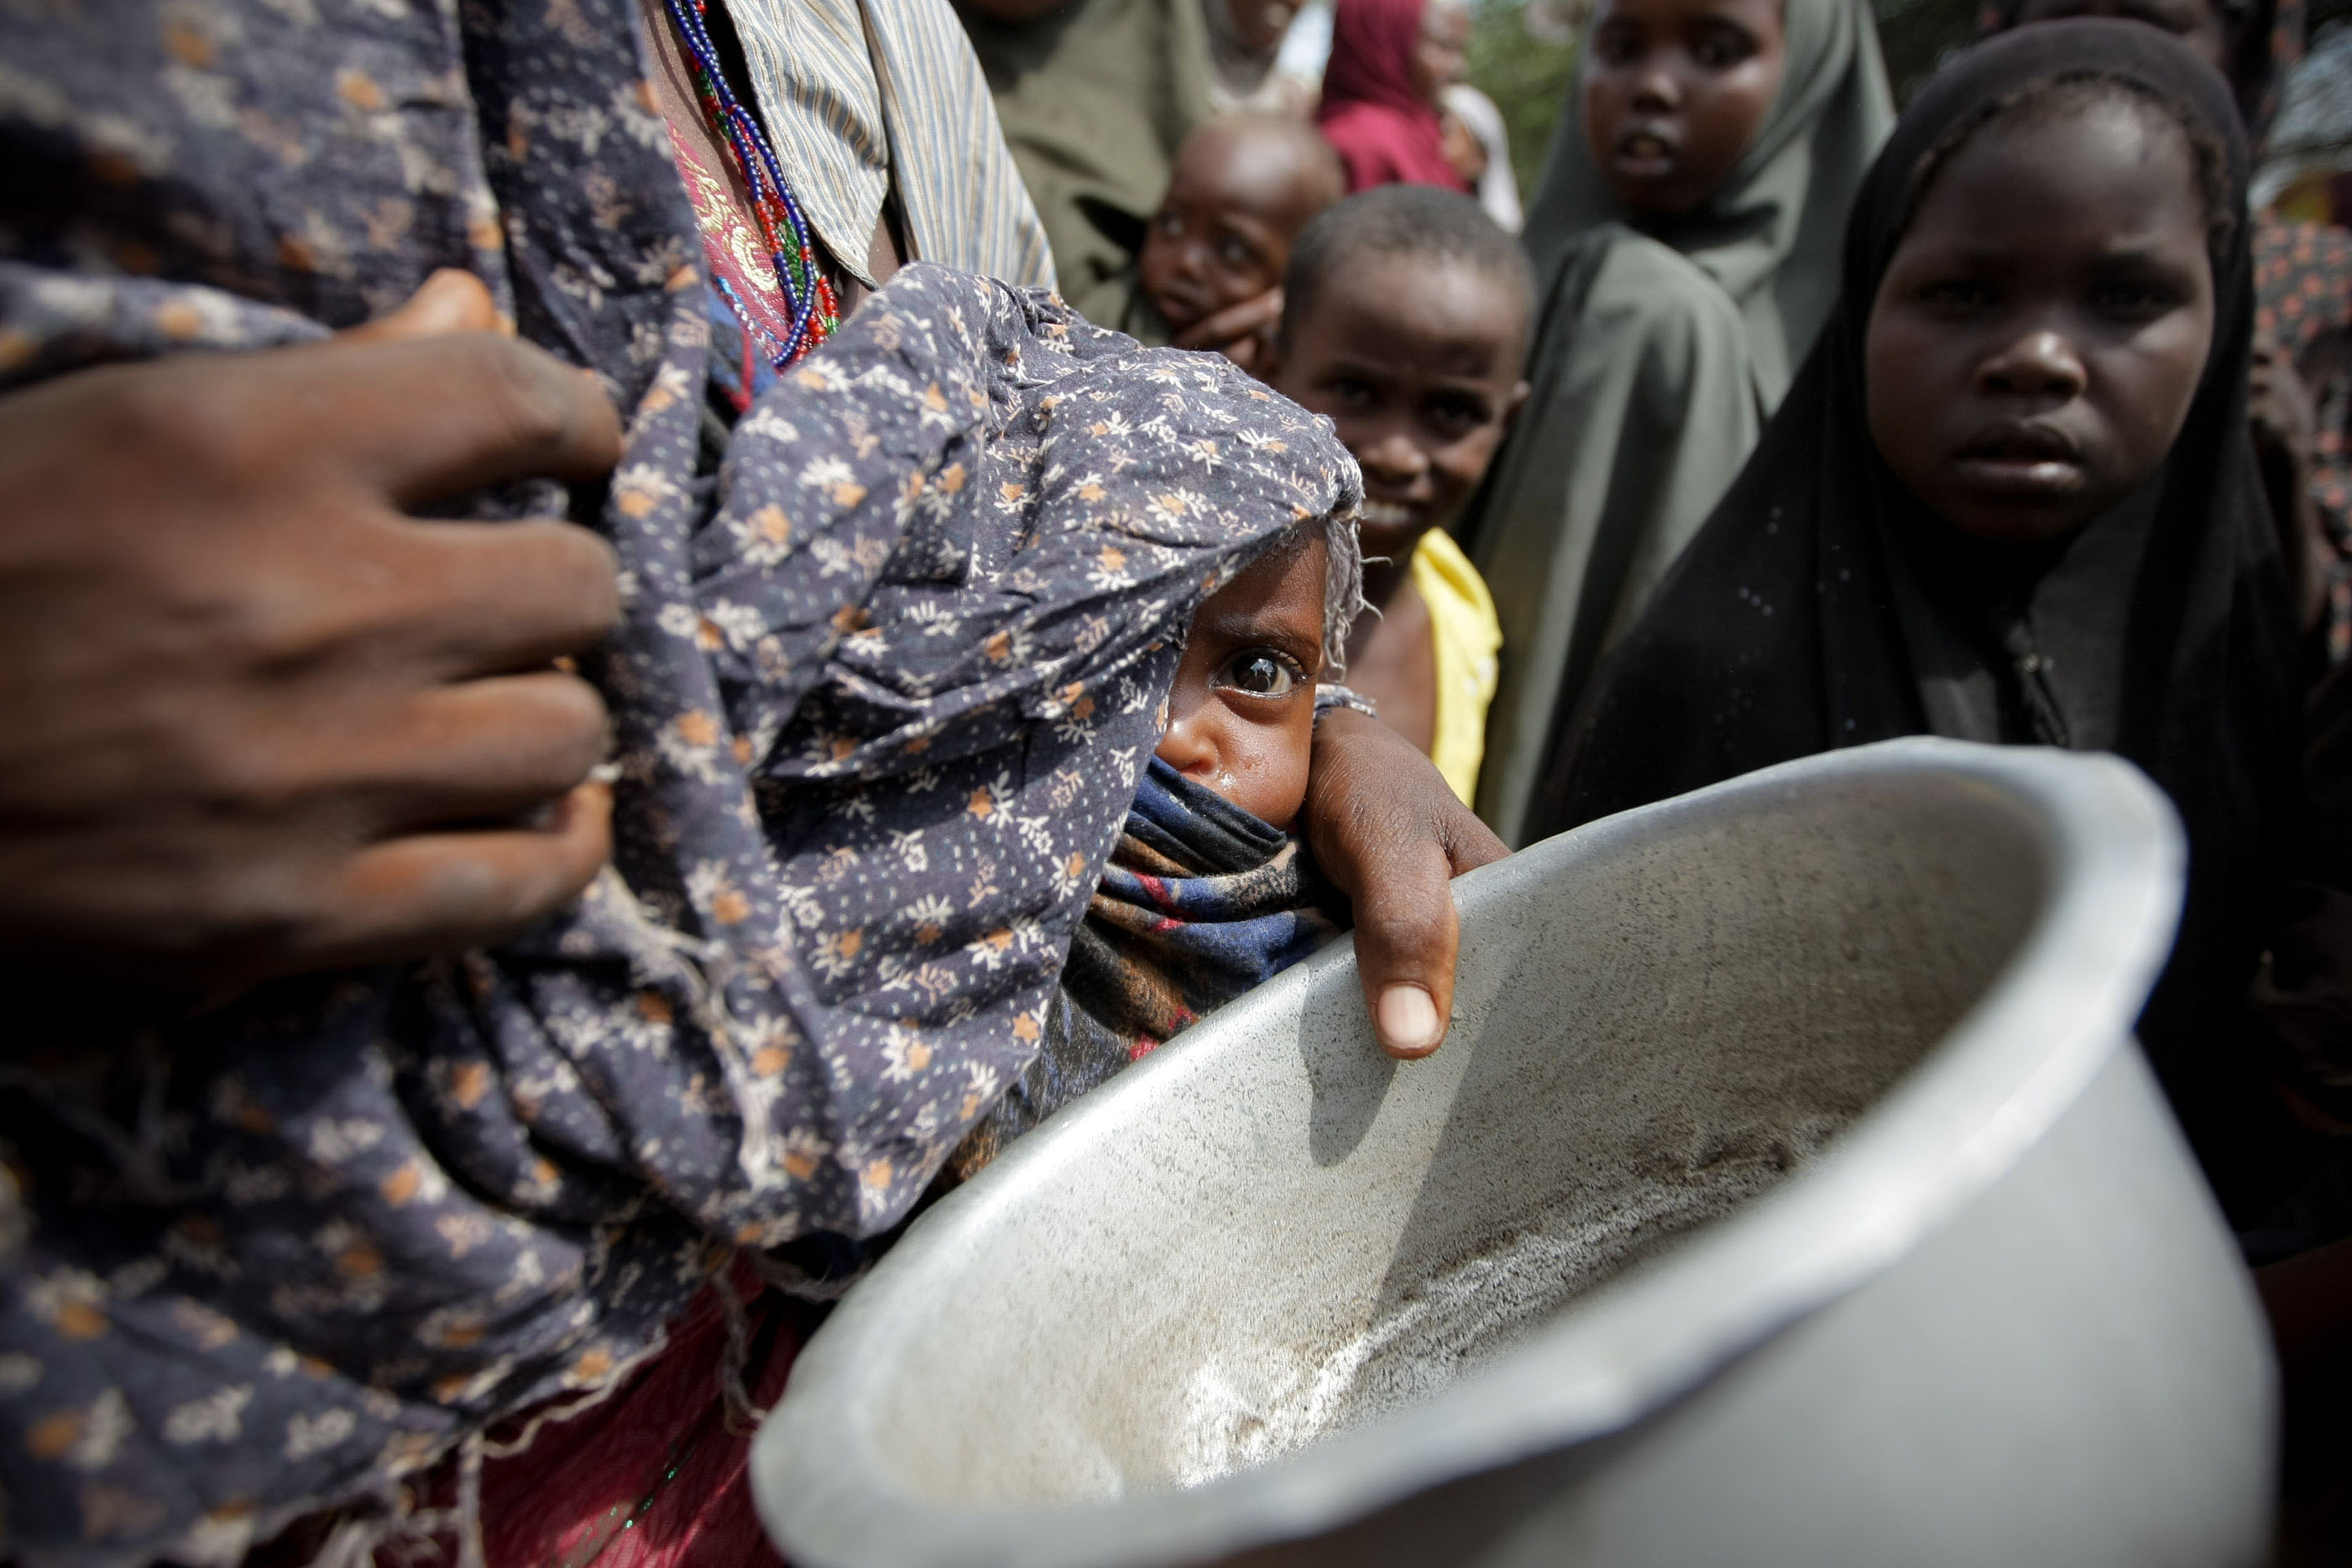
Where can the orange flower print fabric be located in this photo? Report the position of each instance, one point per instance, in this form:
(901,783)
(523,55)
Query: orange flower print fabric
(886,681)
(2303,279)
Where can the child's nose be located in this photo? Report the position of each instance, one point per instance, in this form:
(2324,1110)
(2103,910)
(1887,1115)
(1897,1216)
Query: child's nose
(2040,363)
(1654,89)
(1188,747)
(1394,458)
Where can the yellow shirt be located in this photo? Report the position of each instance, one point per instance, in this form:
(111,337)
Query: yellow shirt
(1466,635)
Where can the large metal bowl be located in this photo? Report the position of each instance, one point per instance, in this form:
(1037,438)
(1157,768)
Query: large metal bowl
(1790,1191)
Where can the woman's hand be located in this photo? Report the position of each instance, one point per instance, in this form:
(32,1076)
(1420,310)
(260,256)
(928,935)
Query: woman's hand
(259,720)
(1390,834)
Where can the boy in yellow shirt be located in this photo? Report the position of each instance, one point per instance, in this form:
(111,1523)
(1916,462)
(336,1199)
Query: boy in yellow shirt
(1406,319)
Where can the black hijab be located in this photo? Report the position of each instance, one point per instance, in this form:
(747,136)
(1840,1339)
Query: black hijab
(2265,40)
(1822,606)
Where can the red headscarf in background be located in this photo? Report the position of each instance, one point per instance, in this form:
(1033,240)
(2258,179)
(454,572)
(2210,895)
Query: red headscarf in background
(1385,131)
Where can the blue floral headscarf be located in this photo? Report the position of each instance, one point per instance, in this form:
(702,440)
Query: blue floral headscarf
(883,690)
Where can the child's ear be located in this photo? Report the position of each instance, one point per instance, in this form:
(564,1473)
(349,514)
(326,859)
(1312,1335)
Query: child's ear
(1518,400)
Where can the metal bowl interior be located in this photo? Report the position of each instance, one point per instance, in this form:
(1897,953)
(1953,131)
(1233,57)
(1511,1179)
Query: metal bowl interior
(1713,1063)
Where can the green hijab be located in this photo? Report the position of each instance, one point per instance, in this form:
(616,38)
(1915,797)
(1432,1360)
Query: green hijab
(1659,350)
(1095,98)
(1770,235)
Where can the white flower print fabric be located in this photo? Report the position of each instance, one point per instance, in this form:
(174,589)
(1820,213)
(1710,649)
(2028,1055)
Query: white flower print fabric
(884,689)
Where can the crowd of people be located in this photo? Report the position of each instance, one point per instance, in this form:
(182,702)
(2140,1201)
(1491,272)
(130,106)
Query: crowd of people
(637,631)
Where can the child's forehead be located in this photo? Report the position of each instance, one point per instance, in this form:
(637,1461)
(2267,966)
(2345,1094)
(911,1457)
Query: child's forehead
(1276,573)
(1426,297)
(2069,159)
(1283,588)
(1232,160)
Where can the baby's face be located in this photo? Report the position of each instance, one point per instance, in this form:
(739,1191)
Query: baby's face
(1237,199)
(1241,716)
(1417,362)
(2041,328)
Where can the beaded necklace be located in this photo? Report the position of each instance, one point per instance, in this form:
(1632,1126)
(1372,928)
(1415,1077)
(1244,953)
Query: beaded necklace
(808,295)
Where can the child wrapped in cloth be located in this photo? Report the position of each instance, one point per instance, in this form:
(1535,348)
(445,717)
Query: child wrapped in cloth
(1210,890)
(884,689)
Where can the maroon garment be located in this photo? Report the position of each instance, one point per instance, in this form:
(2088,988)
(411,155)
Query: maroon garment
(1386,134)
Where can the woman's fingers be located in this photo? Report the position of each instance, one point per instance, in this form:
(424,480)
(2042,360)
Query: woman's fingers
(479,409)
(484,598)
(443,891)
(476,751)
(448,301)
(1390,834)
(210,553)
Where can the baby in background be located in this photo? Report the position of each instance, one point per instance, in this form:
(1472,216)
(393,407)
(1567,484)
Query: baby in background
(1208,891)
(1243,186)
(1406,320)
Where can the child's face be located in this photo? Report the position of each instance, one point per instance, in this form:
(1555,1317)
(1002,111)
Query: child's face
(1241,716)
(2040,331)
(1417,362)
(1442,53)
(1238,197)
(1674,91)
(2193,22)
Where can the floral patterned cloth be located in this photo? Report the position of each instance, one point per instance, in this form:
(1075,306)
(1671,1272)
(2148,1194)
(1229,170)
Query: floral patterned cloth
(884,685)
(2302,283)
(1200,901)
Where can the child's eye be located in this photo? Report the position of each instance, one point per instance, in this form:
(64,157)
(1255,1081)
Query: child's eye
(1720,47)
(2133,299)
(1349,392)
(1456,414)
(1958,294)
(1235,252)
(1170,225)
(1261,673)
(1616,46)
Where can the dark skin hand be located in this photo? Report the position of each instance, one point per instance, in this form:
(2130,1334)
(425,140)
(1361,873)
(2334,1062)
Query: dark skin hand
(261,721)
(1243,334)
(1389,832)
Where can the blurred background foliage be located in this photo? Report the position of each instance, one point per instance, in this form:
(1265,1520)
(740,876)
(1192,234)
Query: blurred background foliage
(1523,55)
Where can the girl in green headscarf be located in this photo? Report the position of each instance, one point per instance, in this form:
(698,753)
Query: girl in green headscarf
(1686,236)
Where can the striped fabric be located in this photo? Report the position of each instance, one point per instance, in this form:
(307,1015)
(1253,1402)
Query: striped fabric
(863,96)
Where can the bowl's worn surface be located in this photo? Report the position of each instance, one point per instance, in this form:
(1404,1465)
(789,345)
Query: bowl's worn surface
(1788,1191)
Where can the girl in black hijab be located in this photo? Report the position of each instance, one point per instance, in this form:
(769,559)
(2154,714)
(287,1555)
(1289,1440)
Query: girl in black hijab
(2012,498)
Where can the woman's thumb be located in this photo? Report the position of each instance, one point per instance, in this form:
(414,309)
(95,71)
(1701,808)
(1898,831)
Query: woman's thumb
(448,303)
